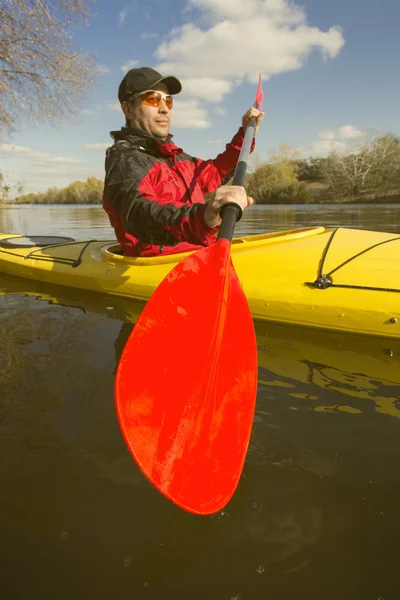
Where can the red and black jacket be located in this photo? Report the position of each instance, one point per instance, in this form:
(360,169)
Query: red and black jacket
(154,192)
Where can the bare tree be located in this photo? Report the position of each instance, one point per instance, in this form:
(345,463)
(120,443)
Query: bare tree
(375,168)
(43,78)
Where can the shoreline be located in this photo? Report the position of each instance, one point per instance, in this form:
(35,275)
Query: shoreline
(358,202)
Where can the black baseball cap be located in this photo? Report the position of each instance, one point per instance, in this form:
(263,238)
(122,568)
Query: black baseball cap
(139,80)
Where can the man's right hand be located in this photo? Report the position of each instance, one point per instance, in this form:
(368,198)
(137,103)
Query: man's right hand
(223,195)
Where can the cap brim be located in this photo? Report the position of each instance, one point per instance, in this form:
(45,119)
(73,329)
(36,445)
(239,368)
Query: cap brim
(173,84)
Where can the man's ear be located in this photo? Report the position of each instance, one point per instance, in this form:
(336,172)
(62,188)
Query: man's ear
(125,108)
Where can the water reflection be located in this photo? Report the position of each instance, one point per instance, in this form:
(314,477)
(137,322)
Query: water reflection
(91,222)
(319,487)
(78,221)
(303,362)
(358,367)
(278,218)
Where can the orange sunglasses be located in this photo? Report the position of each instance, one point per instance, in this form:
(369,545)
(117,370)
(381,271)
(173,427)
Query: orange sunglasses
(153,98)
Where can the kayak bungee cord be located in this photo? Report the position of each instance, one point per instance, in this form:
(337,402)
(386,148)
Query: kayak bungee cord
(55,259)
(325,281)
(322,282)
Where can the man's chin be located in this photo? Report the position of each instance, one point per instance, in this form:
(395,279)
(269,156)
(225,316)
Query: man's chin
(161,134)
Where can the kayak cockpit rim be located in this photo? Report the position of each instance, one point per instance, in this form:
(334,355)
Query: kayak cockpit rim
(112,252)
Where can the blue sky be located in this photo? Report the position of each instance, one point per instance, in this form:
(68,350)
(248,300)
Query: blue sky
(330,71)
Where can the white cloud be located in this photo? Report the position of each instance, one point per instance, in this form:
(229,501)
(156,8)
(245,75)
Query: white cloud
(206,88)
(86,111)
(326,135)
(188,114)
(149,36)
(241,40)
(323,148)
(11,149)
(348,132)
(59,160)
(122,16)
(220,111)
(216,142)
(279,10)
(340,140)
(38,171)
(125,12)
(102,69)
(129,65)
(114,106)
(23,152)
(97,146)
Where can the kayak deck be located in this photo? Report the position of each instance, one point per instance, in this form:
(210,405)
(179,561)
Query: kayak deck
(338,279)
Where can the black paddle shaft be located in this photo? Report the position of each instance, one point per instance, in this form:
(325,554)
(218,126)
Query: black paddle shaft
(232,212)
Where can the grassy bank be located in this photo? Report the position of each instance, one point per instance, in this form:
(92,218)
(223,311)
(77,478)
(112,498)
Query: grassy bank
(322,194)
(295,193)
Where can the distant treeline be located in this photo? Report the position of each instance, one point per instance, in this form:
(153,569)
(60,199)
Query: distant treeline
(78,192)
(370,174)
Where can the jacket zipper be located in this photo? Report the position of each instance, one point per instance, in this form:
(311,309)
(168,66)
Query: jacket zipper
(172,163)
(173,175)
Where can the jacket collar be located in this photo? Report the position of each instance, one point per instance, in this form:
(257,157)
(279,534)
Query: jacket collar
(144,141)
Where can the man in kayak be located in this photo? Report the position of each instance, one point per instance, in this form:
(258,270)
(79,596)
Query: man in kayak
(154,192)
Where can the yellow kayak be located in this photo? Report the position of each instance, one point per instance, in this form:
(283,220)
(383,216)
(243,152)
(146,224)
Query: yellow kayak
(337,279)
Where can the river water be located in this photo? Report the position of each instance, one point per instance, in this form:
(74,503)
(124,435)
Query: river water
(91,222)
(315,515)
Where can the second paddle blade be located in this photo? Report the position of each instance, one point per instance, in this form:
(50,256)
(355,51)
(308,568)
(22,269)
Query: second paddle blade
(186,382)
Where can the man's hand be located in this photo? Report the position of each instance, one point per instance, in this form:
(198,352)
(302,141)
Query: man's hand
(224,194)
(252,112)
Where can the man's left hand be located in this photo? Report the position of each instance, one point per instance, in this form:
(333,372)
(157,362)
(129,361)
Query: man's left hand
(252,113)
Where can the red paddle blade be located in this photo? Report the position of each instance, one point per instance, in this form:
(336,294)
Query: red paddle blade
(187,380)
(259,95)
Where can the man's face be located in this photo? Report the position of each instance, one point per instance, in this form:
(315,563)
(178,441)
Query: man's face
(151,119)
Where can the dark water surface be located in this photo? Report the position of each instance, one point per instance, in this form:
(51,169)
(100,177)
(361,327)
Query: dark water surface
(316,514)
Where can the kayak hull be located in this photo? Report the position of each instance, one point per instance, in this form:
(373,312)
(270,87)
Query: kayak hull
(278,273)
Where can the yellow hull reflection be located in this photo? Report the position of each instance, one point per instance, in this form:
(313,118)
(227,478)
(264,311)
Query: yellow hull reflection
(357,367)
